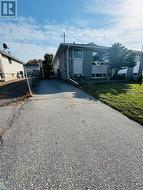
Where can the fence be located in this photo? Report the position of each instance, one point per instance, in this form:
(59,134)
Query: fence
(34,77)
(34,81)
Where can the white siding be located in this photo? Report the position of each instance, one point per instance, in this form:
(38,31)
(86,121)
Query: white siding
(10,69)
(1,69)
(56,66)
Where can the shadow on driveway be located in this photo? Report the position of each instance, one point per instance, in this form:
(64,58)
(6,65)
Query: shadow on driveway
(47,87)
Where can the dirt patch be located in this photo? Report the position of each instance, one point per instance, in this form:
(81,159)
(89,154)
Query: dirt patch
(13,92)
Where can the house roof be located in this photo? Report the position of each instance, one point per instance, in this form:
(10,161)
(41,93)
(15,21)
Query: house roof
(32,64)
(10,56)
(91,45)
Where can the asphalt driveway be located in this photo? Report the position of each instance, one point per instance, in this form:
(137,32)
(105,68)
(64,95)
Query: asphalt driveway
(63,138)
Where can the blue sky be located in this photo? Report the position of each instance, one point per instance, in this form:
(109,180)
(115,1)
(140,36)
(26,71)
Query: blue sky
(60,11)
(40,24)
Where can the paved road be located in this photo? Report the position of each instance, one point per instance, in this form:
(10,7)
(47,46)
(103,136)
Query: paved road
(65,139)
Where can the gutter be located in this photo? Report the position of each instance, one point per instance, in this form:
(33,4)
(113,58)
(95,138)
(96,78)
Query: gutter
(73,82)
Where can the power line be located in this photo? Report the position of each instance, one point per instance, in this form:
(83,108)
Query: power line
(103,25)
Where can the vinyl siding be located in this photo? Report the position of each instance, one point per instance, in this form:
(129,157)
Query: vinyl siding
(10,69)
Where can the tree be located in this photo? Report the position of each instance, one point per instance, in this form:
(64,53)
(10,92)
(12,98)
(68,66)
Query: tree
(97,57)
(100,57)
(33,61)
(47,65)
(120,57)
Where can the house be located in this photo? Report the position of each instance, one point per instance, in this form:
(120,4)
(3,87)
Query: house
(73,60)
(10,67)
(33,69)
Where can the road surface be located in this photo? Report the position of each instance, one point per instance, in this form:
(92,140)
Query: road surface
(64,139)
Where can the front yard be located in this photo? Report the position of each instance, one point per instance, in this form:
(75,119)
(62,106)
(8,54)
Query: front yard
(125,97)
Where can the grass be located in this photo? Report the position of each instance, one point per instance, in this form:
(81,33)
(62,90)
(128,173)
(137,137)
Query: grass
(125,97)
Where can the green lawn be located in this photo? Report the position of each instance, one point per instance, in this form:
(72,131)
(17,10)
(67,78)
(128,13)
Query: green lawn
(125,97)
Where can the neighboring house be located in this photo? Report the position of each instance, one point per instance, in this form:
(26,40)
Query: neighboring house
(10,67)
(33,69)
(72,60)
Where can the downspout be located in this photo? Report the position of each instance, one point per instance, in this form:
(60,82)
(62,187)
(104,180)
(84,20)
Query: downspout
(68,71)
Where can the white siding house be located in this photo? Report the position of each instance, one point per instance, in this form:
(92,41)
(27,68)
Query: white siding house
(10,67)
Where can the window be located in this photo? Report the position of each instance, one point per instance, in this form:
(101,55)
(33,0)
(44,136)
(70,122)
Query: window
(98,63)
(21,72)
(99,75)
(94,53)
(10,60)
(78,54)
(96,56)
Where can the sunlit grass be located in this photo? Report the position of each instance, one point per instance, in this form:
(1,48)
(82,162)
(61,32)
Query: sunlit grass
(125,97)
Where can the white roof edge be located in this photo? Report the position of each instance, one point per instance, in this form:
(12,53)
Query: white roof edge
(56,53)
(78,45)
(85,46)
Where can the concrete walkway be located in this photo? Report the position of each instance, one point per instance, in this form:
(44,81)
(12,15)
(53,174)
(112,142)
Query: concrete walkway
(65,139)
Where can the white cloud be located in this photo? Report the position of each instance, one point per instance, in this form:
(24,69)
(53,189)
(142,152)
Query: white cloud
(130,14)
(28,39)
(110,7)
(27,51)
(116,8)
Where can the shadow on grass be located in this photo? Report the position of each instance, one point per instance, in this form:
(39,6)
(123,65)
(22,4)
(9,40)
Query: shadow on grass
(124,97)
(112,88)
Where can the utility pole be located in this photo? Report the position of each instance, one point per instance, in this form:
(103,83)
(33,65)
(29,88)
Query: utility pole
(28,84)
(64,35)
